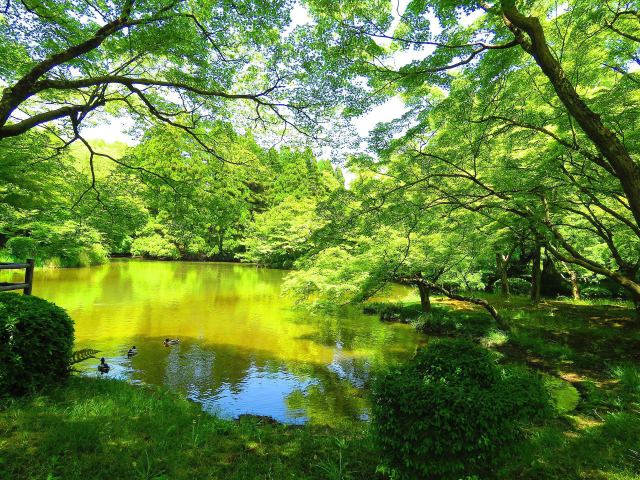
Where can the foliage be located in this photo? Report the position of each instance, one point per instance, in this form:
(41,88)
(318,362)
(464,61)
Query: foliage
(36,337)
(452,412)
(517,286)
(509,118)
(596,291)
(282,234)
(442,321)
(154,246)
(187,206)
(22,247)
(48,217)
(382,250)
(166,62)
(565,397)
(628,377)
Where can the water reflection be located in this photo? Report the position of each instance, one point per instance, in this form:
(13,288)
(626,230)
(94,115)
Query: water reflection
(243,348)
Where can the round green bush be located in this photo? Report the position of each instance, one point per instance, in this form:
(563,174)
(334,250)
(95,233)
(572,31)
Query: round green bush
(154,246)
(444,322)
(36,341)
(596,291)
(22,247)
(452,412)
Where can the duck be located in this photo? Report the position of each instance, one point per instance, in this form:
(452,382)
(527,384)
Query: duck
(103,367)
(170,341)
(132,351)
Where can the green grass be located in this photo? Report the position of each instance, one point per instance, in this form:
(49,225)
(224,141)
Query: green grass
(101,429)
(569,449)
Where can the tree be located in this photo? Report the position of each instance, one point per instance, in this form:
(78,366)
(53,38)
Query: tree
(173,61)
(283,234)
(388,241)
(519,90)
(45,214)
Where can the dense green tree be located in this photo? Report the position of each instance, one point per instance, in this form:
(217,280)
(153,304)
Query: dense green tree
(47,212)
(169,61)
(518,111)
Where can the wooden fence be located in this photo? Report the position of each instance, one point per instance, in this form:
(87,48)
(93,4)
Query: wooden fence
(25,286)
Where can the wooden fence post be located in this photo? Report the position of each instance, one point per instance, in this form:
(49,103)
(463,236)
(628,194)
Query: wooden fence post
(28,276)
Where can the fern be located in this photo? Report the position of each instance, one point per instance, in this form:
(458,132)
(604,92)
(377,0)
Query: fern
(82,355)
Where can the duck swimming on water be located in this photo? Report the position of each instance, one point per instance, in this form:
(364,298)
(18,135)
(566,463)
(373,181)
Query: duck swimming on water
(132,351)
(103,367)
(170,341)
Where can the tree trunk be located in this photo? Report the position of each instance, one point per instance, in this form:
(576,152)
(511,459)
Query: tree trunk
(618,159)
(575,287)
(221,233)
(501,266)
(536,274)
(425,300)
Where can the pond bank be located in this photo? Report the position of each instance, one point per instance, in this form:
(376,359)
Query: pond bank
(100,428)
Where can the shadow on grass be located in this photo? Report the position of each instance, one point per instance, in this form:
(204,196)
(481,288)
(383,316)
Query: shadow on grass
(609,449)
(96,428)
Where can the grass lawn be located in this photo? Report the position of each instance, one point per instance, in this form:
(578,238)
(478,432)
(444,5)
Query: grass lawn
(105,429)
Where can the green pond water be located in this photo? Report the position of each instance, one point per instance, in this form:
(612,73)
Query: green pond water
(244,348)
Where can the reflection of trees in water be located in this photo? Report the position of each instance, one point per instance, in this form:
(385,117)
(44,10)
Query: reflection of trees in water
(187,365)
(323,394)
(352,331)
(331,399)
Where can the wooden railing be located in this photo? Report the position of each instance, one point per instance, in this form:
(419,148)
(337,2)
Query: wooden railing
(25,286)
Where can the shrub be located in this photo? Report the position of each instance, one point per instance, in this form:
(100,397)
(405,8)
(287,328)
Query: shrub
(394,312)
(98,254)
(81,256)
(447,322)
(36,338)
(154,246)
(452,412)
(596,291)
(564,396)
(66,245)
(22,247)
(527,396)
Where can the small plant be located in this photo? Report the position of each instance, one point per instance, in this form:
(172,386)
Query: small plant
(494,338)
(628,377)
(336,470)
(452,412)
(596,291)
(36,338)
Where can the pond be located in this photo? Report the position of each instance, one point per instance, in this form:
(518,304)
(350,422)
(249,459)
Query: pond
(243,348)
